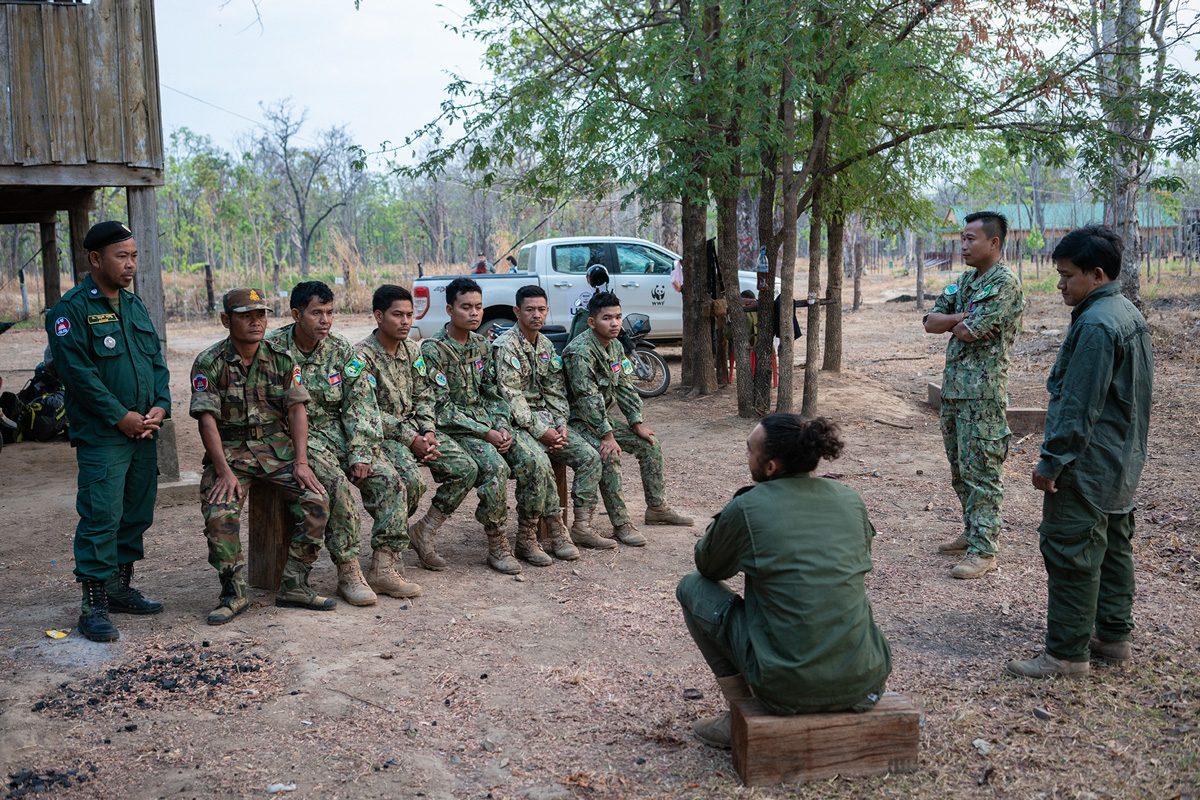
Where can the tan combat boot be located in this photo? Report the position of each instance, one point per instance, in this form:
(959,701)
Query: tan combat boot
(294,591)
(665,515)
(1114,654)
(527,548)
(499,557)
(628,534)
(386,574)
(233,599)
(1047,666)
(420,536)
(352,587)
(559,541)
(959,545)
(582,534)
(973,566)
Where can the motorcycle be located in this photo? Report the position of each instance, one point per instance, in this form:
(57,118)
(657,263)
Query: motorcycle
(650,374)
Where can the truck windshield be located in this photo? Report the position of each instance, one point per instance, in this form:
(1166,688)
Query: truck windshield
(576,258)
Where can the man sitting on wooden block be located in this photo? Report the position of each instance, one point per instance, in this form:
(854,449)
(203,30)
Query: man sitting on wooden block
(804,638)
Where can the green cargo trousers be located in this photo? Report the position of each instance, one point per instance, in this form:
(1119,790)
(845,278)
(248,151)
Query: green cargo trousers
(118,484)
(1089,567)
(716,619)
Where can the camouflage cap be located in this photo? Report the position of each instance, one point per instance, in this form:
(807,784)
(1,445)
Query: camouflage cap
(244,299)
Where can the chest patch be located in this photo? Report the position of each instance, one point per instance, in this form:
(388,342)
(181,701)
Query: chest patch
(371,380)
(335,378)
(354,368)
(616,368)
(516,362)
(420,365)
(97,319)
(62,326)
(479,365)
(296,378)
(200,383)
(544,356)
(439,379)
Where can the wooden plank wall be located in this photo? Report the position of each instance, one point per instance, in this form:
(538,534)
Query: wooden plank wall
(84,84)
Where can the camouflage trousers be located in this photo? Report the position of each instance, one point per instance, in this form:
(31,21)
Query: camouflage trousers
(221,519)
(650,462)
(383,496)
(491,481)
(528,462)
(976,435)
(405,463)
(453,469)
(584,462)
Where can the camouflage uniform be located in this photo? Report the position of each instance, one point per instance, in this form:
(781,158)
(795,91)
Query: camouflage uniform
(598,382)
(466,406)
(344,430)
(250,406)
(405,406)
(531,381)
(975,397)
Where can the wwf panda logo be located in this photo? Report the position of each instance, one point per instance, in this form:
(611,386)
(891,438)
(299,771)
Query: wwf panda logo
(658,293)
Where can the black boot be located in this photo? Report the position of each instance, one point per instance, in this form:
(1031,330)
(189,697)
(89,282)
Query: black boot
(124,598)
(93,618)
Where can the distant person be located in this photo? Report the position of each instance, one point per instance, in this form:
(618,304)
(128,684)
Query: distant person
(512,264)
(597,281)
(599,383)
(803,636)
(982,313)
(248,398)
(481,265)
(109,359)
(1101,389)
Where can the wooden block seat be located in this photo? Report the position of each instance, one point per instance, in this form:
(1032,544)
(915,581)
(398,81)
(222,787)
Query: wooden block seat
(771,749)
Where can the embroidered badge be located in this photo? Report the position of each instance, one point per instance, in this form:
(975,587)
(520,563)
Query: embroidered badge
(110,342)
(62,326)
(516,362)
(479,365)
(439,379)
(420,365)
(616,368)
(371,380)
(96,319)
(200,383)
(335,378)
(354,368)
(254,296)
(556,361)
(984,293)
(627,367)
(296,379)
(951,290)
(544,356)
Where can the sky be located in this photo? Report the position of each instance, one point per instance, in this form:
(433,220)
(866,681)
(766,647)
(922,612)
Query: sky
(381,70)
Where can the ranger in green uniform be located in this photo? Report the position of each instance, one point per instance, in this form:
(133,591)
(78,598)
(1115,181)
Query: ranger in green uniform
(468,409)
(108,356)
(1101,389)
(530,376)
(982,313)
(804,637)
(343,448)
(598,383)
(248,397)
(397,372)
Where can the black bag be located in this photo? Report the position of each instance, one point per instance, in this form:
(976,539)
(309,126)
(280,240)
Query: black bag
(45,418)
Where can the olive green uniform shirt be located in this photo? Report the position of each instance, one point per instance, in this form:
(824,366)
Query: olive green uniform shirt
(599,382)
(401,390)
(531,380)
(804,545)
(978,370)
(110,363)
(465,399)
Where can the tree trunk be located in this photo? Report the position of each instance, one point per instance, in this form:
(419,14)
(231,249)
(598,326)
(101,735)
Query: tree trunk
(860,259)
(812,352)
(670,227)
(747,229)
(920,254)
(728,243)
(764,349)
(833,292)
(697,367)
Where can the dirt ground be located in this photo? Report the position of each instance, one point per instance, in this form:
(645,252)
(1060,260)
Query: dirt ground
(570,682)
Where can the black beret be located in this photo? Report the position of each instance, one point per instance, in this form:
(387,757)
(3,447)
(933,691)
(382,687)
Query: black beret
(103,234)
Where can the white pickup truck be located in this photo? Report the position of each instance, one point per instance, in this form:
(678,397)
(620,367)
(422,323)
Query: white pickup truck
(640,275)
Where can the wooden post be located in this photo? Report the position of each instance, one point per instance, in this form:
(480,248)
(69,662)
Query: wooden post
(920,273)
(50,278)
(78,222)
(148,285)
(270,527)
(208,288)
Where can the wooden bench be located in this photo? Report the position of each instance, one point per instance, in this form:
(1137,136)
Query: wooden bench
(271,524)
(1020,420)
(771,749)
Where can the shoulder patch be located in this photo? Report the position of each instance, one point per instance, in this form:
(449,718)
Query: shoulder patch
(420,365)
(98,319)
(354,368)
(555,360)
(516,362)
(439,379)
(626,367)
(62,326)
(952,289)
(371,380)
(200,383)
(616,368)
(335,378)
(544,356)
(296,377)
(479,365)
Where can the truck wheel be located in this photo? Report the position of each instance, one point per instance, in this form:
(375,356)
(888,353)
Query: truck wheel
(650,374)
(495,326)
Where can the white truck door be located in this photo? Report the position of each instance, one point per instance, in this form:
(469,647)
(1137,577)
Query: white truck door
(644,286)
(566,278)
